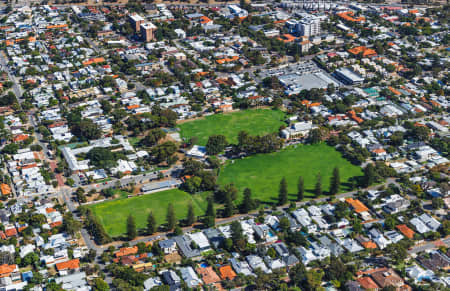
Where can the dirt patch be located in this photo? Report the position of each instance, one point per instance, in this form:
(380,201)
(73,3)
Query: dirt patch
(173,258)
(93,197)
(137,189)
(190,119)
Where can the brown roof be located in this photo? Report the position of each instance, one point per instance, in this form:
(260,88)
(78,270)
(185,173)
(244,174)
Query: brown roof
(370,271)
(387,277)
(367,283)
(435,262)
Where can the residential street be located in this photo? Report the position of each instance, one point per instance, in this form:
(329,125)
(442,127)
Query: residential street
(203,123)
(17,89)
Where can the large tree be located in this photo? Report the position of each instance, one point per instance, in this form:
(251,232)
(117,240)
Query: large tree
(369,175)
(335,182)
(131,228)
(164,151)
(170,217)
(283,192)
(86,129)
(315,136)
(237,235)
(258,144)
(151,223)
(70,224)
(210,215)
(94,227)
(318,186)
(100,285)
(228,207)
(421,132)
(216,144)
(300,189)
(190,219)
(102,158)
(221,194)
(152,137)
(247,203)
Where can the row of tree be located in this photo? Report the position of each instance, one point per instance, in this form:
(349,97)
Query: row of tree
(246,143)
(335,184)
(227,194)
(94,227)
(248,204)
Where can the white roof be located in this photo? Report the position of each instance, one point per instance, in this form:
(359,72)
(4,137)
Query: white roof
(200,239)
(136,17)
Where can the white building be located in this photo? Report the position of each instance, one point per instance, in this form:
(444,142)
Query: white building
(309,26)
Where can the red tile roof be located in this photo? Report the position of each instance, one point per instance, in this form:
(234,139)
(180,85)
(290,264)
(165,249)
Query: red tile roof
(357,205)
(126,251)
(367,283)
(6,270)
(11,232)
(69,265)
(226,272)
(406,231)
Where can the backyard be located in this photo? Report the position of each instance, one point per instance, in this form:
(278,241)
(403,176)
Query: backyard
(255,122)
(113,214)
(262,173)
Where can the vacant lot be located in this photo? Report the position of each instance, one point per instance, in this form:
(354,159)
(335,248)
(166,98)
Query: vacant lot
(255,122)
(263,173)
(113,214)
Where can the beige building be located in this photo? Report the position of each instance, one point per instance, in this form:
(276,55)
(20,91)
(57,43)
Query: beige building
(148,31)
(136,20)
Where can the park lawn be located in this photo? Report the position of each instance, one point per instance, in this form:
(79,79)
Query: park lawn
(113,214)
(255,122)
(262,173)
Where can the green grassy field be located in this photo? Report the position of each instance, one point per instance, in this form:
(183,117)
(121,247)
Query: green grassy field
(262,173)
(113,214)
(255,122)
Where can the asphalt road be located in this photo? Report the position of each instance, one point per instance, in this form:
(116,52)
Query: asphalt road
(428,246)
(17,89)
(127,180)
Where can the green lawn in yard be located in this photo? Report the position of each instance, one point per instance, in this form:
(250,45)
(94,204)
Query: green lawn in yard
(134,140)
(255,122)
(113,214)
(262,173)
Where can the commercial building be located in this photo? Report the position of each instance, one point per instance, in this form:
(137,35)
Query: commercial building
(348,76)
